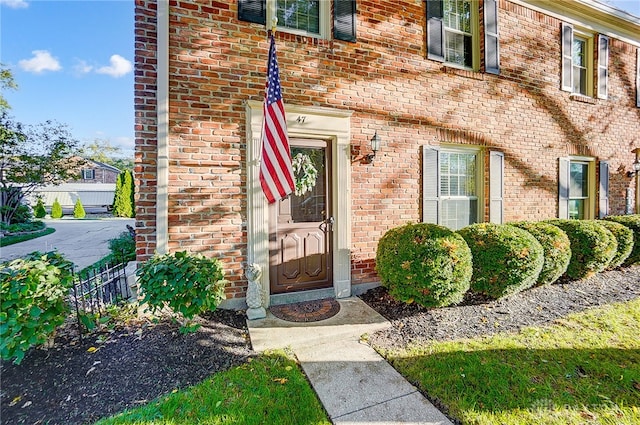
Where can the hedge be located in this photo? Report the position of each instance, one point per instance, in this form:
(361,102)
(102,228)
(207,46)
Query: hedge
(624,238)
(424,263)
(633,223)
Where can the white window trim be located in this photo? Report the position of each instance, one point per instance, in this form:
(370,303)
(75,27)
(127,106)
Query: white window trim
(479,196)
(324,15)
(590,207)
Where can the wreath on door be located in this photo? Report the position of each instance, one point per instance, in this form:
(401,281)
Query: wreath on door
(304,172)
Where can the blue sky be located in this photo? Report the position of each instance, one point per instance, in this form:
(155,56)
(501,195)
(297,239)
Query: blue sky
(73,62)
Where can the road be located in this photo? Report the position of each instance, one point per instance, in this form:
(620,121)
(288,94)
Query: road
(82,241)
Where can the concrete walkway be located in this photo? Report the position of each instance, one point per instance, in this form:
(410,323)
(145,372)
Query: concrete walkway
(354,383)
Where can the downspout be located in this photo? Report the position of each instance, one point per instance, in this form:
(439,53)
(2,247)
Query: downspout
(162,194)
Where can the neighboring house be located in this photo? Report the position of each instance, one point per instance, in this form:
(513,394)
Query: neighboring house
(95,186)
(489,110)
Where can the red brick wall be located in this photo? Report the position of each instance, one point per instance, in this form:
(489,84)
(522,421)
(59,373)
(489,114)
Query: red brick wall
(218,62)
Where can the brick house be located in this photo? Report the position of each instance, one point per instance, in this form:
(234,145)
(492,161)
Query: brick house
(485,110)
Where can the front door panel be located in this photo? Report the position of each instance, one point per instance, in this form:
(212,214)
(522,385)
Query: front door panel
(301,227)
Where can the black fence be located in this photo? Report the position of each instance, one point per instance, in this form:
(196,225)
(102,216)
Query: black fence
(95,290)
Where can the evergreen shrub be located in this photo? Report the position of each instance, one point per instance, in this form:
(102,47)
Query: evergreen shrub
(78,210)
(592,246)
(56,209)
(506,259)
(39,211)
(556,246)
(632,222)
(424,263)
(624,238)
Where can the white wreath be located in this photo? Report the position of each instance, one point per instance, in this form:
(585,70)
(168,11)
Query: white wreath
(304,172)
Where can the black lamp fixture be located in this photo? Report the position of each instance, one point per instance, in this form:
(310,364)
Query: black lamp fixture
(635,167)
(375,146)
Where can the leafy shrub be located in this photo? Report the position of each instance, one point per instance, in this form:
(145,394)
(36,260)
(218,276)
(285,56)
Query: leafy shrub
(22,214)
(34,291)
(624,238)
(39,211)
(633,223)
(123,247)
(426,263)
(30,226)
(188,283)
(556,246)
(56,209)
(592,246)
(506,259)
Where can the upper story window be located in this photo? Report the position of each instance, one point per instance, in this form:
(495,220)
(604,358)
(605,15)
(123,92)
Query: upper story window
(453,33)
(578,71)
(88,174)
(304,17)
(580,64)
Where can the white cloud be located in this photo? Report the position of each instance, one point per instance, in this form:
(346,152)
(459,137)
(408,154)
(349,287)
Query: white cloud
(118,68)
(82,67)
(15,4)
(40,62)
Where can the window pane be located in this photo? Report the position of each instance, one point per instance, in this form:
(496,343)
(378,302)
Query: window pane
(578,186)
(310,206)
(459,213)
(457,25)
(579,80)
(579,52)
(576,209)
(302,15)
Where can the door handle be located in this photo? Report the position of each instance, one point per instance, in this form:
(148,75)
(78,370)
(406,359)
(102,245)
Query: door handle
(327,225)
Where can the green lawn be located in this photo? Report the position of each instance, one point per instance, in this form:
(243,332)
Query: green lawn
(270,389)
(584,369)
(11,239)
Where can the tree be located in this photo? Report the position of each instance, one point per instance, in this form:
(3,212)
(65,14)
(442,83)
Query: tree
(39,211)
(102,151)
(123,204)
(6,82)
(56,209)
(32,157)
(78,209)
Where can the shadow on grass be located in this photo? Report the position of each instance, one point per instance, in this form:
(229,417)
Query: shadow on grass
(540,381)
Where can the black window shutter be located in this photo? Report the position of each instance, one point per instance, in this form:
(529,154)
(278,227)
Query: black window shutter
(564,179)
(435,30)
(430,184)
(344,20)
(491,41)
(252,11)
(567,57)
(603,204)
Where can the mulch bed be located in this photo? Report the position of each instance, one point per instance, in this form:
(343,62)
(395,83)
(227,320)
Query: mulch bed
(132,365)
(477,316)
(136,363)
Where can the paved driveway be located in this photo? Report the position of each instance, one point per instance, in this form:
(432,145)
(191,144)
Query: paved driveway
(82,241)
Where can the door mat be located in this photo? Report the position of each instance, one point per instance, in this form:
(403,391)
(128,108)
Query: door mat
(306,311)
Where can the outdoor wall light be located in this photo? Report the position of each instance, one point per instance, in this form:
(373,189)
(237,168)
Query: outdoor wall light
(635,167)
(375,146)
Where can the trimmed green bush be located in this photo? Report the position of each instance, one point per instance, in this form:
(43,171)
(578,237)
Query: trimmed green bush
(33,292)
(188,283)
(624,238)
(592,246)
(39,211)
(425,263)
(78,209)
(632,222)
(123,247)
(123,201)
(22,214)
(556,246)
(506,259)
(56,209)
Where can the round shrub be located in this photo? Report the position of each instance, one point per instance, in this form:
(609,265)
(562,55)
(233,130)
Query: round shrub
(592,246)
(39,211)
(424,263)
(632,222)
(56,209)
(188,283)
(78,210)
(33,292)
(506,259)
(624,238)
(556,246)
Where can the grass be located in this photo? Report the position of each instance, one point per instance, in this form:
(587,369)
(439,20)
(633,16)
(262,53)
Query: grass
(584,369)
(12,239)
(269,389)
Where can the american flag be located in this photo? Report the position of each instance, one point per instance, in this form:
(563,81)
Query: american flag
(276,173)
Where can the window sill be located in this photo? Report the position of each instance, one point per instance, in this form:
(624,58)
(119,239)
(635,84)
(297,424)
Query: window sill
(582,98)
(462,72)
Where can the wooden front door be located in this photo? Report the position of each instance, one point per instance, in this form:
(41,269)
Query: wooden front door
(300,228)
